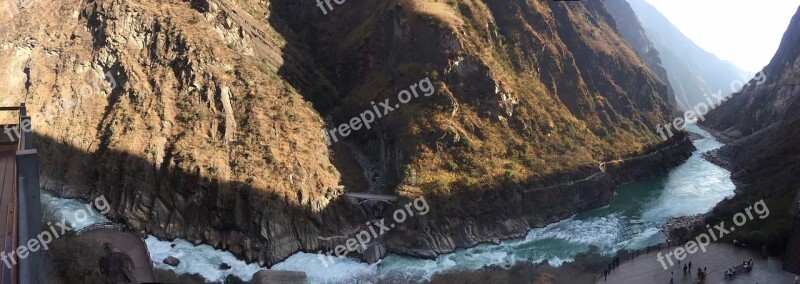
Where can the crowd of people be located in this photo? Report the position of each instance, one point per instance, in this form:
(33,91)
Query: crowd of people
(687,269)
(702,273)
(611,266)
(732,272)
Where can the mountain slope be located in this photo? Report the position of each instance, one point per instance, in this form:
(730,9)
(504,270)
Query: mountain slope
(211,129)
(763,123)
(631,29)
(532,94)
(195,136)
(692,71)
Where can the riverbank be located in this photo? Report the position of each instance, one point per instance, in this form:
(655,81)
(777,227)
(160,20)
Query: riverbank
(632,220)
(695,180)
(626,222)
(547,206)
(753,170)
(510,212)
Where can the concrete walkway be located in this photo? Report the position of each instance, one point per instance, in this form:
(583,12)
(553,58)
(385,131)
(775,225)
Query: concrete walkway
(718,258)
(129,244)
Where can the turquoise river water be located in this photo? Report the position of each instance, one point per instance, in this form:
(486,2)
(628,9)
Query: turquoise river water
(632,220)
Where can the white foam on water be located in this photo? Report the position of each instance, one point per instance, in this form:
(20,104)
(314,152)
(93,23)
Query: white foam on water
(204,260)
(693,187)
(600,231)
(642,239)
(74,211)
(341,270)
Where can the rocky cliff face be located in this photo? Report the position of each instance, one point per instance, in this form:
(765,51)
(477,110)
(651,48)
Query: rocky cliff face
(193,134)
(759,106)
(631,29)
(763,124)
(203,119)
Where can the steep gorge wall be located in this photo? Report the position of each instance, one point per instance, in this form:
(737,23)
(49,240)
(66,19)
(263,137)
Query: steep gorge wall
(200,138)
(629,26)
(511,211)
(211,131)
(763,124)
(530,94)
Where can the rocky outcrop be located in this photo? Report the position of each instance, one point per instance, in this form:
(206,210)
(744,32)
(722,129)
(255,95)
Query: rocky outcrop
(681,229)
(762,123)
(629,26)
(168,112)
(172,261)
(752,119)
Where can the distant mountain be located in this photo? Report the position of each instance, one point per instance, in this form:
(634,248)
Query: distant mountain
(692,70)
(630,28)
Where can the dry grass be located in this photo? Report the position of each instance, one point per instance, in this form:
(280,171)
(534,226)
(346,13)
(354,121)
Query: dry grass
(500,151)
(442,10)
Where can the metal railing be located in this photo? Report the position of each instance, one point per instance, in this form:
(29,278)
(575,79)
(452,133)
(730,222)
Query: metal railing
(110,225)
(101,225)
(19,134)
(122,228)
(115,226)
(626,255)
(26,213)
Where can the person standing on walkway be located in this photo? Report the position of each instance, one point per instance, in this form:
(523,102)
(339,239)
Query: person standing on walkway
(690,266)
(672,277)
(605,274)
(684,269)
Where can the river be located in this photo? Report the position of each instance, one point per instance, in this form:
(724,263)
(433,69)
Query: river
(632,220)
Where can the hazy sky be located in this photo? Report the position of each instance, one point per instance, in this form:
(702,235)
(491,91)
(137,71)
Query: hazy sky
(745,32)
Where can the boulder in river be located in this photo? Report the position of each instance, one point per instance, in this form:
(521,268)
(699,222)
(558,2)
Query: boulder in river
(172,261)
(681,229)
(224,266)
(374,253)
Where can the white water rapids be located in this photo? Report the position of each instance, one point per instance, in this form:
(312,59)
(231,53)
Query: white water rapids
(632,220)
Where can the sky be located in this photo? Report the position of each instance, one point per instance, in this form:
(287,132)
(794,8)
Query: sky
(745,32)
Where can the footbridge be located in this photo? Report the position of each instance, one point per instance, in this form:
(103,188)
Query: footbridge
(361,197)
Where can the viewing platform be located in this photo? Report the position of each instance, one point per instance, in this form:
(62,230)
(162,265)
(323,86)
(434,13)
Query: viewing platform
(20,203)
(645,268)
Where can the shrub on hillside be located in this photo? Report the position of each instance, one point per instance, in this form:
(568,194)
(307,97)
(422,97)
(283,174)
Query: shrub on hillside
(64,266)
